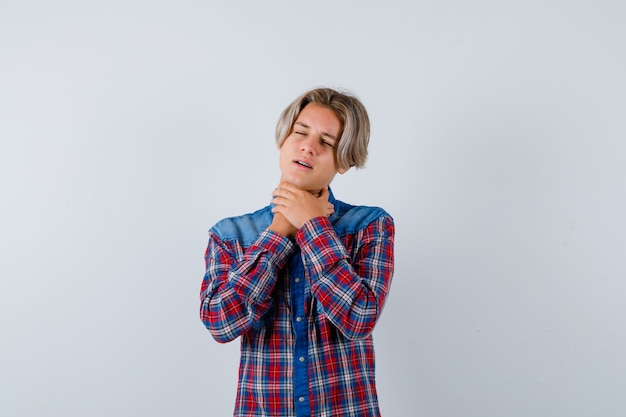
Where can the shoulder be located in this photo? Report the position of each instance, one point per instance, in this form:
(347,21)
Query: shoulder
(244,228)
(349,218)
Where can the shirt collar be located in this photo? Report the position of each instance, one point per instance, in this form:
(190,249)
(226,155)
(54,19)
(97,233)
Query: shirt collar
(331,196)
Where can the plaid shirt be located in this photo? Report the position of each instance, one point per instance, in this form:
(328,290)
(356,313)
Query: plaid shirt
(305,310)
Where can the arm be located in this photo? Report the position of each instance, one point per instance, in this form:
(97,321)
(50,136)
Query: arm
(236,289)
(352,293)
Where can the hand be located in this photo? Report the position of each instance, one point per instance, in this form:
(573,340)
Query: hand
(282,226)
(299,206)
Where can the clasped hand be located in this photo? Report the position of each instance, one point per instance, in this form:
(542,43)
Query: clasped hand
(294,207)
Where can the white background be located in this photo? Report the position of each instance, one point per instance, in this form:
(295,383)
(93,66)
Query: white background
(128,128)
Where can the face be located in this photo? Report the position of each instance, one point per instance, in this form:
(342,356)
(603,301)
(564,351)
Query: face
(307,156)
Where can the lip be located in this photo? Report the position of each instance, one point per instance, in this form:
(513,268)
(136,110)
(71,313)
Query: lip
(300,161)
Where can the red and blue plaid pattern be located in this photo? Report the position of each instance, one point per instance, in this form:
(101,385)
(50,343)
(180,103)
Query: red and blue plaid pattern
(251,283)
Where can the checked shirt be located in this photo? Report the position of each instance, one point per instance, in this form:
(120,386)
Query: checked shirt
(304,309)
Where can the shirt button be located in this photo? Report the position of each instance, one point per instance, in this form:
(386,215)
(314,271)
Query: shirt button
(298,319)
(297,280)
(301,358)
(301,399)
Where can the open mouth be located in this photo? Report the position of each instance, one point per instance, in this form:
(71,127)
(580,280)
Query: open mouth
(304,164)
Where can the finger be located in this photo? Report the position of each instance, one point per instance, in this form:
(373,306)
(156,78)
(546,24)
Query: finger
(288,187)
(279,200)
(277,209)
(281,192)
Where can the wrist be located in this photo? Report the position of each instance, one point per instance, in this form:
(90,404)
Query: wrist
(282,231)
(281,226)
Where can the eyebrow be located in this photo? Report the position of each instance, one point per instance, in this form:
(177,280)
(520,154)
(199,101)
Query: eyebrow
(323,133)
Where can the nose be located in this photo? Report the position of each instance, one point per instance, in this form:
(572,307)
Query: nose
(308,145)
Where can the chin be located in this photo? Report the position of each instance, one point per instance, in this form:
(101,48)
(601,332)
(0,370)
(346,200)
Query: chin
(307,187)
(298,182)
(303,183)
(312,188)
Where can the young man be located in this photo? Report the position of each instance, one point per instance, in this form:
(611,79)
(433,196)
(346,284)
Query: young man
(303,281)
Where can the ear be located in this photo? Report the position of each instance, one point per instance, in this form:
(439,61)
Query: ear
(342,170)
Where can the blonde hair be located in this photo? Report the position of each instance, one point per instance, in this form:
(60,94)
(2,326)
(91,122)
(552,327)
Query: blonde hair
(355,136)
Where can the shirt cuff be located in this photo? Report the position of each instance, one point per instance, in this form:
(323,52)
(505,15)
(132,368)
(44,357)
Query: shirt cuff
(277,247)
(320,244)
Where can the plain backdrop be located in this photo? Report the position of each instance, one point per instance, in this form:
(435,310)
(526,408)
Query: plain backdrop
(128,128)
